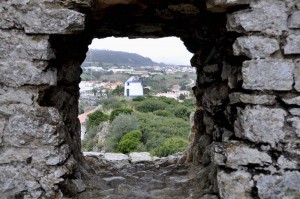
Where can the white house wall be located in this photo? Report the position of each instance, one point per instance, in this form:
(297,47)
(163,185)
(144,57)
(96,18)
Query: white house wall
(135,89)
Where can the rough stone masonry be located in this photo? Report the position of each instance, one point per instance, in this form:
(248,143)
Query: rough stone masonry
(245,135)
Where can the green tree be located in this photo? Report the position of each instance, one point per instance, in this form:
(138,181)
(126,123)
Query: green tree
(121,125)
(129,142)
(171,146)
(119,111)
(119,91)
(94,90)
(150,105)
(182,97)
(95,118)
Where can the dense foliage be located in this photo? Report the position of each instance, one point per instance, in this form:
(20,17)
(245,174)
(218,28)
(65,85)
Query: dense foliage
(95,118)
(159,125)
(121,125)
(119,111)
(130,142)
(171,146)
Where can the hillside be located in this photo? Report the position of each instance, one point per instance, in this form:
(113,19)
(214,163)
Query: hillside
(107,57)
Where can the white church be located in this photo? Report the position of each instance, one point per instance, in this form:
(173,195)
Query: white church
(133,87)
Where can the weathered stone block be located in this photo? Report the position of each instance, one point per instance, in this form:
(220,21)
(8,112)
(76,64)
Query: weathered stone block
(32,127)
(278,187)
(269,17)
(8,95)
(293,45)
(15,179)
(234,185)
(59,156)
(20,73)
(255,46)
(223,5)
(270,74)
(116,157)
(295,111)
(137,157)
(261,125)
(25,155)
(243,155)
(16,45)
(294,20)
(35,18)
(285,163)
(252,99)
(297,75)
(292,100)
(53,21)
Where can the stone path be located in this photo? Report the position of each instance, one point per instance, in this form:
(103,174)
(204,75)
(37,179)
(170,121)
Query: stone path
(118,176)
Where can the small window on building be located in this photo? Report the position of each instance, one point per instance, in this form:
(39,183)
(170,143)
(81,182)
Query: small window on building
(127,83)
(128,92)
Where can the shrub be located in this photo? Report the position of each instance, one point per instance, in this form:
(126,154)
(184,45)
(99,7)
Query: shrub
(119,91)
(169,101)
(121,125)
(163,113)
(88,144)
(129,142)
(171,146)
(111,103)
(119,111)
(150,105)
(181,112)
(138,99)
(95,118)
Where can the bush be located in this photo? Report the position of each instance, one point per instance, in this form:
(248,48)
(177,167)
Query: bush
(169,101)
(121,125)
(119,111)
(95,118)
(156,129)
(88,144)
(171,146)
(181,112)
(163,113)
(119,91)
(150,105)
(129,142)
(111,103)
(138,99)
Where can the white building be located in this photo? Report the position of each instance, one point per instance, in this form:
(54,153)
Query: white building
(133,87)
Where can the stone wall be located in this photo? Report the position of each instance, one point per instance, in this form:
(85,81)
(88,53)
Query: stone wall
(246,125)
(248,111)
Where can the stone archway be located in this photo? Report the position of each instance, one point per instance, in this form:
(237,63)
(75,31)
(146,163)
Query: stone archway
(246,132)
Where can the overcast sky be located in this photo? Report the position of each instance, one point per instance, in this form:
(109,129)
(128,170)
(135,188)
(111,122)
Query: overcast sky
(169,50)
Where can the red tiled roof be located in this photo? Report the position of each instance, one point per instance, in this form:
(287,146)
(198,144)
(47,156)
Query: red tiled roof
(82,117)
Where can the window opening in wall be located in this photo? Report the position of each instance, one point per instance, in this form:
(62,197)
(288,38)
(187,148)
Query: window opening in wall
(136,96)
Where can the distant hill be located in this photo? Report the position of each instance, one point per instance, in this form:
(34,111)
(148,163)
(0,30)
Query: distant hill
(107,57)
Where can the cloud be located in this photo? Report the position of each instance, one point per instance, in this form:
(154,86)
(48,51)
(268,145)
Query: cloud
(170,50)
